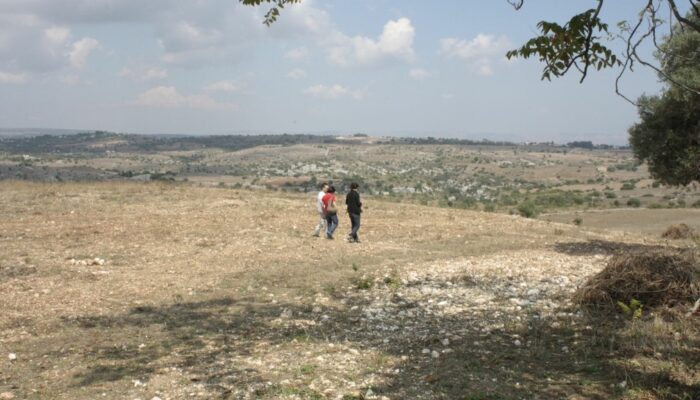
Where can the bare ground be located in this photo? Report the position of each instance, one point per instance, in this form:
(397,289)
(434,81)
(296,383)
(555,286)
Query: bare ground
(217,293)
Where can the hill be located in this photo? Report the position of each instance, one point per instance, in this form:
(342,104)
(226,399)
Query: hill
(166,290)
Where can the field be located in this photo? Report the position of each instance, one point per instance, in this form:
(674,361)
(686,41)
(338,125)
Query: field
(149,273)
(221,293)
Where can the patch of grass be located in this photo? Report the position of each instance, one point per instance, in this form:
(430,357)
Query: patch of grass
(308,369)
(392,280)
(363,283)
(296,392)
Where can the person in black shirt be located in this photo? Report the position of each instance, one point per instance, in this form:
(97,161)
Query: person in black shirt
(352,200)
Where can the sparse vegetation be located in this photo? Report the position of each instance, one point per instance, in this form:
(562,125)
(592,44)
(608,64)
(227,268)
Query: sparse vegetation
(196,264)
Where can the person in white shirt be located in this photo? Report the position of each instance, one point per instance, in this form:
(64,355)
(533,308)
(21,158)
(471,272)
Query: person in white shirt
(319,207)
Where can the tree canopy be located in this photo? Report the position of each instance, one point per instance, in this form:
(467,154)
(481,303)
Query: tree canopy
(668,135)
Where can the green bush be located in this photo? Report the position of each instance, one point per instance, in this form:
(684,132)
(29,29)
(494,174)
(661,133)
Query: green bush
(528,209)
(634,202)
(610,195)
(627,186)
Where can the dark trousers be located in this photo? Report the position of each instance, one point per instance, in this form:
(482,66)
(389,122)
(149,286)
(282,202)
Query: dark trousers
(355,222)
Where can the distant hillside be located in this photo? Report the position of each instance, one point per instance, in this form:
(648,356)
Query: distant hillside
(100,141)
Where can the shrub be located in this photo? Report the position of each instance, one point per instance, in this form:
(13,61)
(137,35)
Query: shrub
(610,195)
(528,209)
(634,202)
(627,186)
(578,221)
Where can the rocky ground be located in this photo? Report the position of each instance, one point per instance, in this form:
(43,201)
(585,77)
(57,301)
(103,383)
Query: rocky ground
(164,291)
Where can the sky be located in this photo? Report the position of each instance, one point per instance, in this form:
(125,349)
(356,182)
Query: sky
(380,67)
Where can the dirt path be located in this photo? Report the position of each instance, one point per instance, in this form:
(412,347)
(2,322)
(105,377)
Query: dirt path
(163,291)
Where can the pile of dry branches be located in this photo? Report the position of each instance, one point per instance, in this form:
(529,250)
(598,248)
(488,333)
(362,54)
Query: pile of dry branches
(652,277)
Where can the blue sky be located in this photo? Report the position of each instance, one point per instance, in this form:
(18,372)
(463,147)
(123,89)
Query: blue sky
(408,68)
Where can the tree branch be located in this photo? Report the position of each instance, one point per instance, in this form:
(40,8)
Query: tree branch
(588,41)
(681,19)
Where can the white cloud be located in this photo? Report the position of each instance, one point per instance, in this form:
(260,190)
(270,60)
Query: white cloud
(334,92)
(419,74)
(296,73)
(34,34)
(81,50)
(194,33)
(296,54)
(223,86)
(395,43)
(479,53)
(57,34)
(169,97)
(28,44)
(6,77)
(143,73)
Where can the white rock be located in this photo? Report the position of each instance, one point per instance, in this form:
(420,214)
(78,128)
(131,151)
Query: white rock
(12,356)
(434,354)
(517,342)
(426,351)
(445,342)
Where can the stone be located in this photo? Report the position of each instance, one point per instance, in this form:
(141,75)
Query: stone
(12,356)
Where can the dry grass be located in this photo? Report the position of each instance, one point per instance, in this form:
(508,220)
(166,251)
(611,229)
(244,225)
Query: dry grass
(190,299)
(652,277)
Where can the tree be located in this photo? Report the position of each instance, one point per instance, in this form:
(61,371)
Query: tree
(581,43)
(668,135)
